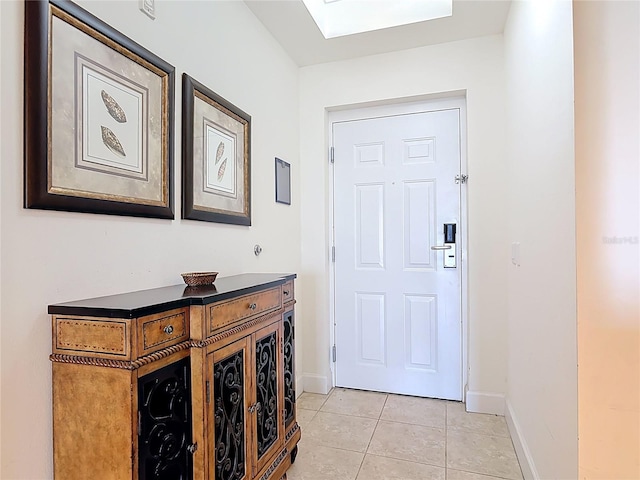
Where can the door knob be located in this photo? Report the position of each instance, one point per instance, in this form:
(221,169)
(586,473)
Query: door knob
(441,247)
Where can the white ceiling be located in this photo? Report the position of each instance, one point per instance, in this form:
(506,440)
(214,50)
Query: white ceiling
(291,24)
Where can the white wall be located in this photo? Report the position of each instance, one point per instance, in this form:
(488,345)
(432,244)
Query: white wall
(474,66)
(50,257)
(542,382)
(607,90)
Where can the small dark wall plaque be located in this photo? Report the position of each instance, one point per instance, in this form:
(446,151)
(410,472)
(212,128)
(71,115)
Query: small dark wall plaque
(283,182)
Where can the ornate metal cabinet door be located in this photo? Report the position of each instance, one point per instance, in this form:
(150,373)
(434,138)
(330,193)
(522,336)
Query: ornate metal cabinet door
(228,399)
(164,423)
(289,356)
(268,409)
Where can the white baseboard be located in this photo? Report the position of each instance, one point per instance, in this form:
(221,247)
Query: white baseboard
(520,444)
(483,402)
(315,383)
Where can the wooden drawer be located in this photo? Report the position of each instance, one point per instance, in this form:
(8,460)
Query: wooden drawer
(95,337)
(220,315)
(162,330)
(287,292)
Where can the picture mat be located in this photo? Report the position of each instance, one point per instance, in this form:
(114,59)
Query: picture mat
(220,174)
(206,114)
(92,153)
(65,177)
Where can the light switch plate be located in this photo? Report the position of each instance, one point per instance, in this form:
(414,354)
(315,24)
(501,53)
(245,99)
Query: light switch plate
(148,7)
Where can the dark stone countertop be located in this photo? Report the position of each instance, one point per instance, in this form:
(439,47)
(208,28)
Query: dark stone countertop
(148,302)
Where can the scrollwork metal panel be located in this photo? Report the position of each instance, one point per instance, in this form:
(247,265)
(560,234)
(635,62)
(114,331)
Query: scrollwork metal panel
(229,394)
(289,375)
(165,423)
(267,392)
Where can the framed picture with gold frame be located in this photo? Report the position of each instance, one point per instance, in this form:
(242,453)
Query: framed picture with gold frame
(98,117)
(216,157)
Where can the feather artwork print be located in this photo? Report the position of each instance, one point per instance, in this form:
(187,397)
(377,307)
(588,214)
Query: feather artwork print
(221,170)
(112,143)
(114,109)
(219,152)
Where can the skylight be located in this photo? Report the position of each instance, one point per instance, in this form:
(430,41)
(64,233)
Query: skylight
(337,18)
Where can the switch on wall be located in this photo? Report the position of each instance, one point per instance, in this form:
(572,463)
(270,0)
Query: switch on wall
(148,7)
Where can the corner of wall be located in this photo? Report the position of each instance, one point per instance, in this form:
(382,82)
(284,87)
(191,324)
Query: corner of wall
(525,458)
(313,383)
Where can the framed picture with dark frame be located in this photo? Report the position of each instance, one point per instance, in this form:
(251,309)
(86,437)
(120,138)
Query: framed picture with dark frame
(98,125)
(216,157)
(283,182)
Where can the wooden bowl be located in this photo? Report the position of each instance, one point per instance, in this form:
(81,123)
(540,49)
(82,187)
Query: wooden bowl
(194,279)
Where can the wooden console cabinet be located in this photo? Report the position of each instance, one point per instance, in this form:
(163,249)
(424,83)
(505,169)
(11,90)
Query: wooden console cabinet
(177,383)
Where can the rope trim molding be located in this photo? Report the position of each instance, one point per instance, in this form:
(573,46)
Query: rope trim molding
(121,364)
(275,464)
(237,329)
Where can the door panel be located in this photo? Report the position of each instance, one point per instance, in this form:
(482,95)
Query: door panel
(229,445)
(165,423)
(420,331)
(419,225)
(289,367)
(397,310)
(268,416)
(369,226)
(370,314)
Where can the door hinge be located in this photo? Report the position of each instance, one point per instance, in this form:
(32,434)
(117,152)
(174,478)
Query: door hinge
(331,154)
(139,423)
(461,179)
(333,254)
(208,392)
(333,353)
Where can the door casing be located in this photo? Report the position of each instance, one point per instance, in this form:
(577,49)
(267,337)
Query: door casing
(382,109)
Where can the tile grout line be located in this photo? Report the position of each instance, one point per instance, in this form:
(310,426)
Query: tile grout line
(372,434)
(415,462)
(475,432)
(327,399)
(484,474)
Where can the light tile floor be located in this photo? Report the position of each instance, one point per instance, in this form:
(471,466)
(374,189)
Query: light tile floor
(358,435)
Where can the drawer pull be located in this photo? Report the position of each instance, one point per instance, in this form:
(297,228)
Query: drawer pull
(286,292)
(253,306)
(168,329)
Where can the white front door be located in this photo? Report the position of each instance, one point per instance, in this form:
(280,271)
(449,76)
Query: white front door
(397,309)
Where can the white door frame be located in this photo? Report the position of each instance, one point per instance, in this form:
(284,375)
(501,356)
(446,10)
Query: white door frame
(381,109)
